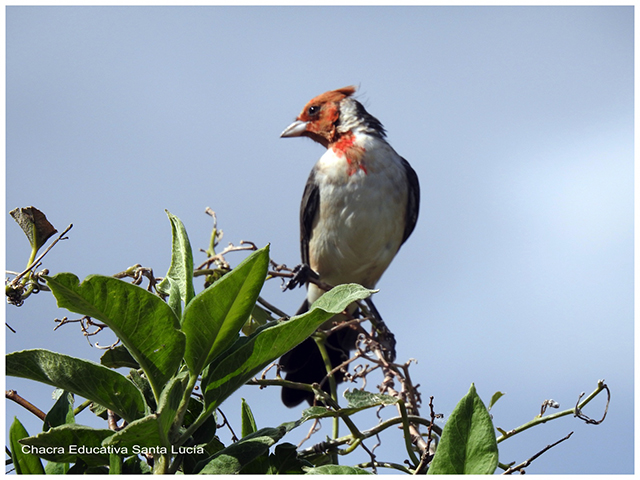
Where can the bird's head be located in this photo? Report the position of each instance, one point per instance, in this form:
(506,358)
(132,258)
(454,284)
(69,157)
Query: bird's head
(319,118)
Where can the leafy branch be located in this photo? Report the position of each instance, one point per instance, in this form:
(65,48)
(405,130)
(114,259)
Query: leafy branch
(186,355)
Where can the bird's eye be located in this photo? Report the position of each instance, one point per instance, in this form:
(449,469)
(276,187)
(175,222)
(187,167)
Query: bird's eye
(313,109)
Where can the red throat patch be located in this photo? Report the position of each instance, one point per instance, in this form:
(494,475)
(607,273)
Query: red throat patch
(354,154)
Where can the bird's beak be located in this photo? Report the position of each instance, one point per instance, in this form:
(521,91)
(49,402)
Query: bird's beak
(296,129)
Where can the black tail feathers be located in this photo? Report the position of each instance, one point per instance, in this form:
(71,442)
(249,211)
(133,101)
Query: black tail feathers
(304,363)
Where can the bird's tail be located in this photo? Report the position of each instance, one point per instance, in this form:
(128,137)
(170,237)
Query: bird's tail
(304,363)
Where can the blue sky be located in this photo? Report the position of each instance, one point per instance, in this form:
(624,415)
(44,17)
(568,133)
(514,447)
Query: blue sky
(518,121)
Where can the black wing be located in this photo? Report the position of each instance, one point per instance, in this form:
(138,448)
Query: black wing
(308,211)
(413,200)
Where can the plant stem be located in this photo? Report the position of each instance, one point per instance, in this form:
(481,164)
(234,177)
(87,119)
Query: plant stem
(32,257)
(160,464)
(320,339)
(395,466)
(115,464)
(407,434)
(184,404)
(81,407)
(538,420)
(372,432)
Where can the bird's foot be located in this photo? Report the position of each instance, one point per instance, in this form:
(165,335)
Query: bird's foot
(386,338)
(301,275)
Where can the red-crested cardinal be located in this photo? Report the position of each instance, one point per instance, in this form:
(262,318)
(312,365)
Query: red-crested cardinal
(359,206)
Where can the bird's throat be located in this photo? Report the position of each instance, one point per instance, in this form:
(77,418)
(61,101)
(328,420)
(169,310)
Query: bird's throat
(354,154)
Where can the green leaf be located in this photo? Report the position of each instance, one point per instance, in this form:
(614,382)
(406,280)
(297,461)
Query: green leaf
(496,396)
(178,283)
(67,443)
(23,461)
(257,466)
(207,430)
(357,400)
(135,466)
(169,403)
(55,468)
(115,464)
(118,357)
(248,422)
(230,460)
(82,377)
(34,224)
(312,413)
(61,413)
(141,382)
(146,325)
(285,461)
(360,400)
(251,354)
(336,470)
(338,298)
(468,443)
(193,463)
(79,468)
(214,317)
(259,317)
(144,433)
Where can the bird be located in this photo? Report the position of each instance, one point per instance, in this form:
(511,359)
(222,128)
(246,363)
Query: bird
(360,204)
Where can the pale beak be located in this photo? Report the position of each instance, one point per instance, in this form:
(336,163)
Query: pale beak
(296,129)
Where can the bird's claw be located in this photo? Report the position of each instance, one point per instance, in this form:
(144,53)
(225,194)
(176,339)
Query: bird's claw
(301,275)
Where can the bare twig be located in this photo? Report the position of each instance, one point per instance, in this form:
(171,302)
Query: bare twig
(225,422)
(137,272)
(315,427)
(112,421)
(408,393)
(84,322)
(108,347)
(427,455)
(578,410)
(219,258)
(271,307)
(520,467)
(13,395)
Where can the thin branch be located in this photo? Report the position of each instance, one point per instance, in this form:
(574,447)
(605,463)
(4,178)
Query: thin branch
(427,455)
(85,322)
(577,411)
(244,245)
(394,466)
(527,462)
(315,427)
(13,395)
(271,307)
(263,382)
(226,422)
(137,272)
(332,443)
(112,421)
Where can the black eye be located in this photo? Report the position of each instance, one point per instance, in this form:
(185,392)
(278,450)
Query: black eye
(313,109)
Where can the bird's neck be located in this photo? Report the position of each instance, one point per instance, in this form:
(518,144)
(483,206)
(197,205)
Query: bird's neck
(347,147)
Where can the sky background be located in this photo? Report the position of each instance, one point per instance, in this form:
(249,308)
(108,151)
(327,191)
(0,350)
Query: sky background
(518,121)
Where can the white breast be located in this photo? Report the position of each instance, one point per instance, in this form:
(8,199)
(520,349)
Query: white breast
(360,224)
